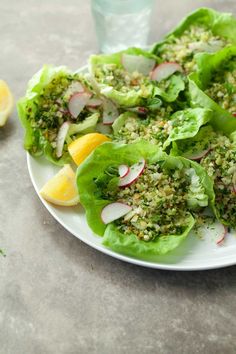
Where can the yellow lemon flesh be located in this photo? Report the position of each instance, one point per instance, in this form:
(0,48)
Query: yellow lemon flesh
(82,147)
(6,102)
(61,189)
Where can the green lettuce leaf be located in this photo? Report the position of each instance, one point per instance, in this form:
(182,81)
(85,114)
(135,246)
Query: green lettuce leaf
(34,141)
(110,154)
(186,123)
(221,24)
(134,97)
(221,120)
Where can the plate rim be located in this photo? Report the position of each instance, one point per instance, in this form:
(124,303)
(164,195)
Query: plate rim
(111,253)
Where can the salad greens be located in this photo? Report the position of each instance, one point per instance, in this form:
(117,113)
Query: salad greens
(200,87)
(130,84)
(204,30)
(98,187)
(171,113)
(44,109)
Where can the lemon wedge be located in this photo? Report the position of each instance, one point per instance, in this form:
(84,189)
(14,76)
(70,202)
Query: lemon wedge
(83,146)
(6,102)
(61,189)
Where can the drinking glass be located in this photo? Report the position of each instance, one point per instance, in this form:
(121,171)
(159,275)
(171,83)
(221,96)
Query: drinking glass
(121,23)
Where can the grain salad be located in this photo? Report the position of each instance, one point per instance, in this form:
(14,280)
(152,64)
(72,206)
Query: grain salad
(160,201)
(196,39)
(220,164)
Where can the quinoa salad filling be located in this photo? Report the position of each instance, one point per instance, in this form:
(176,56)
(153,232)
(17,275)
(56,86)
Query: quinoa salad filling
(154,128)
(121,80)
(220,164)
(197,38)
(51,109)
(161,202)
(223,87)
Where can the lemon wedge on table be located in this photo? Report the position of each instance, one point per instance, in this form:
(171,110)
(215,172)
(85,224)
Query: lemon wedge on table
(61,189)
(80,148)
(6,102)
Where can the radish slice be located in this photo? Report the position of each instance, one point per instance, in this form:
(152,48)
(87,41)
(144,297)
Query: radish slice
(94,102)
(222,237)
(164,70)
(123,170)
(138,63)
(114,211)
(110,112)
(134,172)
(77,103)
(199,155)
(104,129)
(234,114)
(139,110)
(62,133)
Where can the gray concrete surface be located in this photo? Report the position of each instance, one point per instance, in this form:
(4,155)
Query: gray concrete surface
(57,295)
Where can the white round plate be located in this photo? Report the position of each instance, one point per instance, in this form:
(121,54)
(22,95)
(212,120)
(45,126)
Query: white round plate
(194,254)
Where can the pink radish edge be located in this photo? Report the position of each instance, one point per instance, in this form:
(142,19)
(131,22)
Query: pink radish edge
(114,211)
(160,72)
(77,103)
(221,239)
(135,171)
(123,170)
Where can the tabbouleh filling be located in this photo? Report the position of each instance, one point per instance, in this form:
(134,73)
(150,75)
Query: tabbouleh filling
(154,129)
(121,80)
(197,38)
(223,88)
(160,201)
(220,164)
(51,108)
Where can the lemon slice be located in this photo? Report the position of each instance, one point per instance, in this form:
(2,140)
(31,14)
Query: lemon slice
(6,102)
(61,189)
(82,147)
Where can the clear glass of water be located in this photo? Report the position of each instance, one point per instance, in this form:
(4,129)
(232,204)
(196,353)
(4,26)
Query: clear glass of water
(121,23)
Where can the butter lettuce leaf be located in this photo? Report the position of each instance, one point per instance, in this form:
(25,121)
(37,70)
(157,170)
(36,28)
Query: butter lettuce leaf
(35,141)
(221,24)
(221,119)
(112,155)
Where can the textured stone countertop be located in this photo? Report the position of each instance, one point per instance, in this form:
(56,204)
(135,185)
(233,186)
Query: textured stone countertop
(58,295)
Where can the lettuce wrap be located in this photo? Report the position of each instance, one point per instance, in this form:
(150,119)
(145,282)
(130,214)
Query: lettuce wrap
(131,85)
(97,181)
(209,65)
(204,30)
(44,109)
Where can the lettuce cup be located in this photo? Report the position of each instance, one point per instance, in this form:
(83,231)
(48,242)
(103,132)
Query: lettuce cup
(213,87)
(204,30)
(58,106)
(142,201)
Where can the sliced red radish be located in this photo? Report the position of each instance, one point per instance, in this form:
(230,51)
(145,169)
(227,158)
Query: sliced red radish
(61,137)
(114,211)
(139,110)
(133,174)
(137,63)
(199,155)
(110,112)
(94,102)
(164,70)
(123,170)
(222,237)
(104,129)
(234,114)
(77,103)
